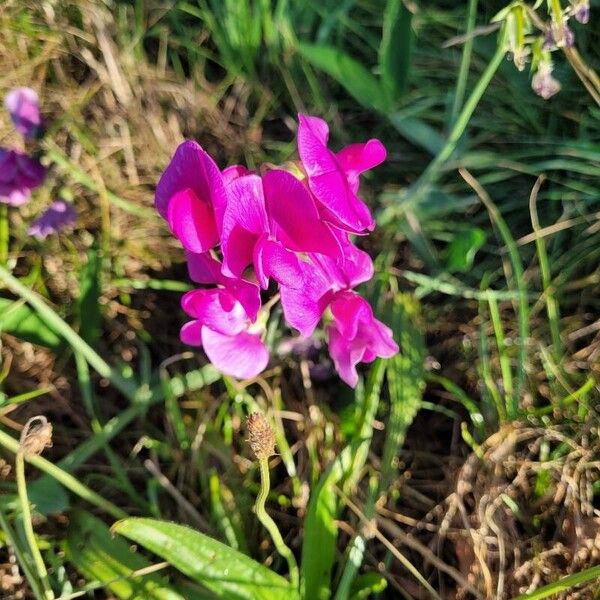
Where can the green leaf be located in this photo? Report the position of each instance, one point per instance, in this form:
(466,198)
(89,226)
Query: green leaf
(221,569)
(367,584)
(99,556)
(462,249)
(358,81)
(90,317)
(48,496)
(418,132)
(395,48)
(20,320)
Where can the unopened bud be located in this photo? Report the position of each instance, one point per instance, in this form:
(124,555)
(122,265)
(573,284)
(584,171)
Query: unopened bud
(543,83)
(260,436)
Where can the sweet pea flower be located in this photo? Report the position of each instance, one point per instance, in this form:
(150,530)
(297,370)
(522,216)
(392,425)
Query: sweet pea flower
(274,207)
(222,327)
(355,335)
(308,282)
(19,175)
(57,216)
(205,269)
(191,197)
(334,178)
(24,109)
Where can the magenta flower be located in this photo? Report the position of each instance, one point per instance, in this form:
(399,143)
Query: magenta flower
(222,327)
(290,229)
(355,335)
(191,197)
(334,178)
(57,216)
(205,269)
(307,283)
(24,109)
(19,175)
(276,207)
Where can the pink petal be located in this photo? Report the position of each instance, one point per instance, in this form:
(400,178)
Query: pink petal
(242,356)
(192,221)
(217,309)
(246,204)
(358,158)
(233,172)
(237,246)
(190,333)
(203,268)
(273,260)
(327,179)
(345,358)
(293,212)
(192,168)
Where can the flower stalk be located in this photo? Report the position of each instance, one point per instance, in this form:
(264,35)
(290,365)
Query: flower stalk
(36,435)
(262,442)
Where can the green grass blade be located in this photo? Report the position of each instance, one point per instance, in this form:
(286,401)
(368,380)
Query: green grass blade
(219,568)
(563,585)
(320,529)
(102,558)
(395,48)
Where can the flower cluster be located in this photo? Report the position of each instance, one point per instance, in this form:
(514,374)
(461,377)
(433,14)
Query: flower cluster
(21,173)
(243,230)
(520,20)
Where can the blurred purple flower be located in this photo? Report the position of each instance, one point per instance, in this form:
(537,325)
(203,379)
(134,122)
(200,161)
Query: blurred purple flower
(24,108)
(57,216)
(543,83)
(19,174)
(581,11)
(559,36)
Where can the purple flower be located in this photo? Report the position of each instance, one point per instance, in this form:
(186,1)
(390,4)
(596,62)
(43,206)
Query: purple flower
(543,83)
(559,36)
(19,175)
(221,325)
(334,178)
(581,11)
(191,197)
(57,216)
(276,207)
(355,335)
(24,108)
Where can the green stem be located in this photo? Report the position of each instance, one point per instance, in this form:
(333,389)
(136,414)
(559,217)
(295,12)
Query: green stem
(28,526)
(271,526)
(127,386)
(432,172)
(465,61)
(4,233)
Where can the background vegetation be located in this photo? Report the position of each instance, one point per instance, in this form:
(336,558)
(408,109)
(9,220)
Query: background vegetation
(465,467)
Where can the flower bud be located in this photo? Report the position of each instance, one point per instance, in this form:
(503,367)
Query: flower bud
(260,436)
(543,83)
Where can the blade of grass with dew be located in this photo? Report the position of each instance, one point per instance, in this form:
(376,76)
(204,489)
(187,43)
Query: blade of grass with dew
(219,568)
(405,374)
(320,528)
